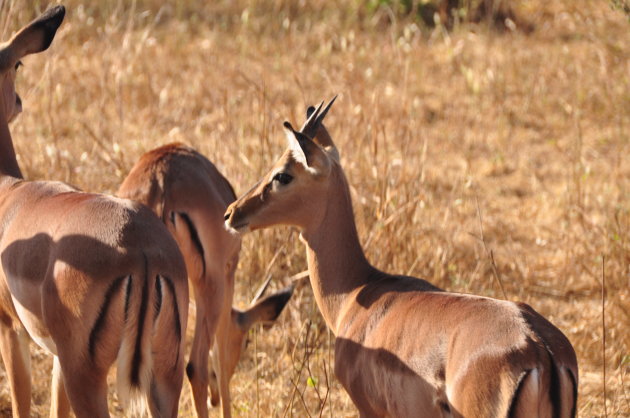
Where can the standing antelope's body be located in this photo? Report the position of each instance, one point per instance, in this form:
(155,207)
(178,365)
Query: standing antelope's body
(190,195)
(92,279)
(405,348)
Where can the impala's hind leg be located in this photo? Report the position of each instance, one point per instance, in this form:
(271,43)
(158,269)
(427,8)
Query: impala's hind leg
(17,363)
(85,385)
(59,403)
(207,297)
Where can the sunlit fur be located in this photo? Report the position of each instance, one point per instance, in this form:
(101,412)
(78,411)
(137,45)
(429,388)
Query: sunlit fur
(190,195)
(404,347)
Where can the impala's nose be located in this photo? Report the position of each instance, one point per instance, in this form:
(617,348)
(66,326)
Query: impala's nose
(228,212)
(229,216)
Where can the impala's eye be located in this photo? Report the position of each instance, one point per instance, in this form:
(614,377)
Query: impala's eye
(283,178)
(18,65)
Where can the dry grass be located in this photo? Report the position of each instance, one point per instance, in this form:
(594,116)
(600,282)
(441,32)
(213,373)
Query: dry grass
(535,128)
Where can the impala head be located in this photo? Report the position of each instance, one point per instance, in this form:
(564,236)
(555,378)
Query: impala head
(300,176)
(264,311)
(34,37)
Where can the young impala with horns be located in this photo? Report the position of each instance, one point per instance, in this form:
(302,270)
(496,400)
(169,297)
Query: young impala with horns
(190,195)
(405,348)
(92,279)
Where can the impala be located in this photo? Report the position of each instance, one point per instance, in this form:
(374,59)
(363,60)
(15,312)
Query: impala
(190,195)
(90,278)
(404,347)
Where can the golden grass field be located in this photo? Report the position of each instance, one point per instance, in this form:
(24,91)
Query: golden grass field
(462,147)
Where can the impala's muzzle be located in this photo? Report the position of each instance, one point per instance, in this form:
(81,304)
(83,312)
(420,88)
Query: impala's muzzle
(238,215)
(234,220)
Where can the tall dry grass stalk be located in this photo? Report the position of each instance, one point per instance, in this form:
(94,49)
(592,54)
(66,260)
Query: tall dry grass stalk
(535,128)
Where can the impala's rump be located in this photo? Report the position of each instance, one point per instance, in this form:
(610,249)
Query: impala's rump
(96,289)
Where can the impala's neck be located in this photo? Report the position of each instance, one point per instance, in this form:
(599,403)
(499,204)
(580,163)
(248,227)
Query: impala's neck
(336,262)
(8,160)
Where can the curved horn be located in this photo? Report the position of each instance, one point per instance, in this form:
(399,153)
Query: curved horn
(310,126)
(314,128)
(315,118)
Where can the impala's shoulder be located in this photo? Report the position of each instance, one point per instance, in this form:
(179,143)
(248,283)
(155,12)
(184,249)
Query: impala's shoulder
(396,285)
(387,288)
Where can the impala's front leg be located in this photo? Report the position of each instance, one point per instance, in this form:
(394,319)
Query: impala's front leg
(17,363)
(221,362)
(196,370)
(59,402)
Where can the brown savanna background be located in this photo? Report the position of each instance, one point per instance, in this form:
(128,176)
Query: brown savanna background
(487,156)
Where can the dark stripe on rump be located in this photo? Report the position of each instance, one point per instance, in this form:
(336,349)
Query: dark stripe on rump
(555,392)
(194,235)
(128,297)
(102,314)
(158,297)
(517,392)
(137,354)
(171,287)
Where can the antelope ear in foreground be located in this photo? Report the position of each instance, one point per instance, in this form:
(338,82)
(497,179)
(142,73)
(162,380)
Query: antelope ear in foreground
(34,37)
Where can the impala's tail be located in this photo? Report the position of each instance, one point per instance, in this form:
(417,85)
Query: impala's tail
(149,359)
(135,360)
(549,391)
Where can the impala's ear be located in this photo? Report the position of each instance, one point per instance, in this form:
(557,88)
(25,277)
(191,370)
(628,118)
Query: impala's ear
(307,152)
(265,311)
(298,149)
(34,37)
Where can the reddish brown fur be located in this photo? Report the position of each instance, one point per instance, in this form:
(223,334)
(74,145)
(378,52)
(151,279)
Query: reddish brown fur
(190,195)
(179,183)
(404,347)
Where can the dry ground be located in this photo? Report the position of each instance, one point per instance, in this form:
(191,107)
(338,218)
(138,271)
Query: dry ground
(441,134)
